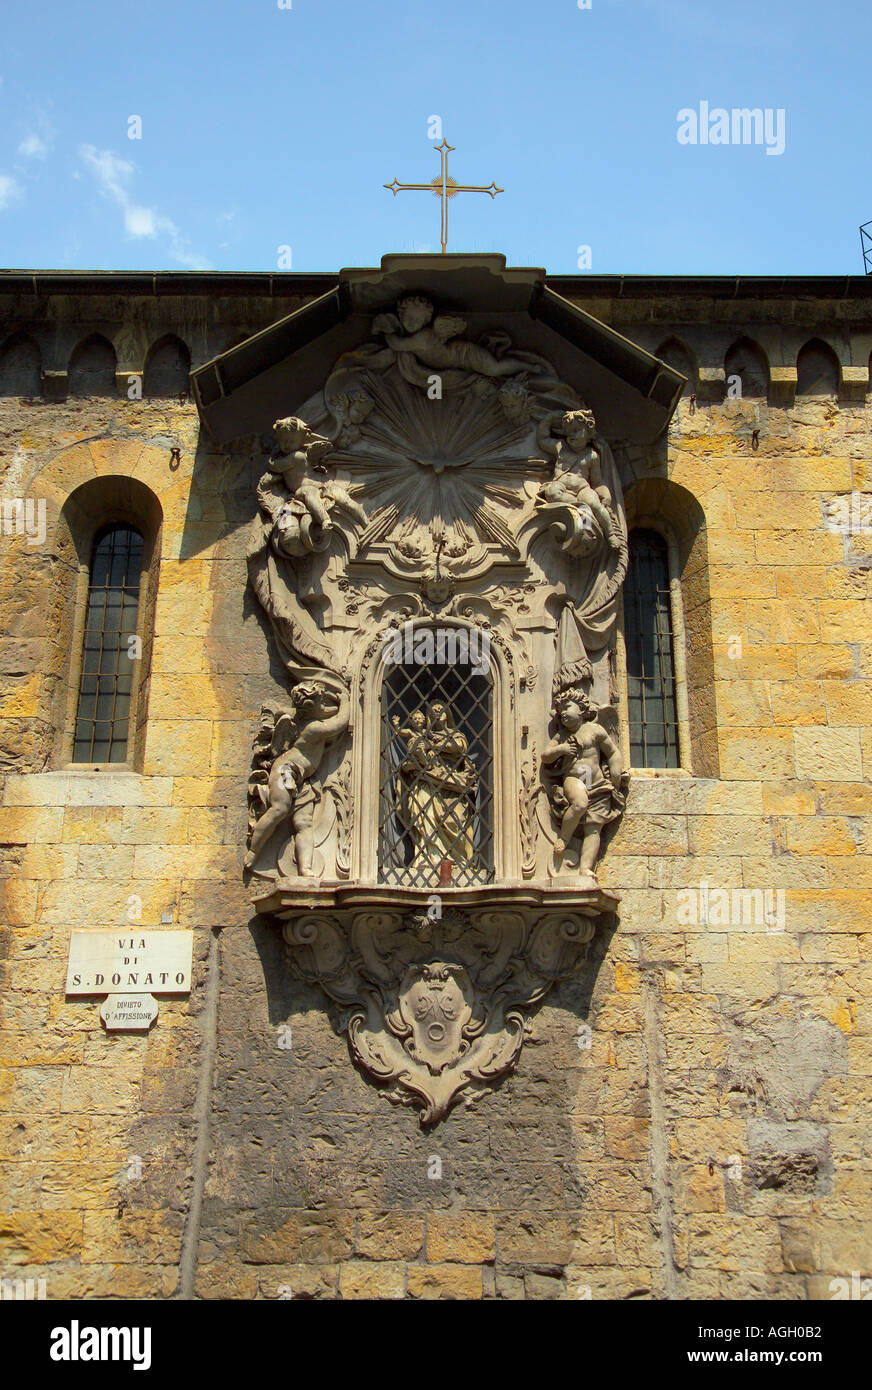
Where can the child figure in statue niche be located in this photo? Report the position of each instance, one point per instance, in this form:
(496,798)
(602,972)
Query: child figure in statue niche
(300,451)
(317,716)
(587,798)
(577,480)
(413,734)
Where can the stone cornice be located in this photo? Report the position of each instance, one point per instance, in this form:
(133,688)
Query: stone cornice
(291,283)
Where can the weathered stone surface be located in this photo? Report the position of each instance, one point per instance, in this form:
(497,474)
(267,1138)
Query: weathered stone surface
(359,1279)
(722,1068)
(389,1236)
(444,1281)
(465,1237)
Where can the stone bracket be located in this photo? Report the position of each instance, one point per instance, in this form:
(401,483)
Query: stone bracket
(854,384)
(54,385)
(711,385)
(436,989)
(782,385)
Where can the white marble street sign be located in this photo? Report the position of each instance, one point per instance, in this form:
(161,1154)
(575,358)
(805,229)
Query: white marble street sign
(119,962)
(129,1012)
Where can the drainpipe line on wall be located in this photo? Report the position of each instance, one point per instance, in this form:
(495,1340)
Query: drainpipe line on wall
(202,1114)
(661,1189)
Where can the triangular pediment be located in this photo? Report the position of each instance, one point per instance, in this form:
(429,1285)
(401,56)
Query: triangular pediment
(632,393)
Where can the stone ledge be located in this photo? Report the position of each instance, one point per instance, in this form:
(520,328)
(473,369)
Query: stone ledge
(288,898)
(436,990)
(105,788)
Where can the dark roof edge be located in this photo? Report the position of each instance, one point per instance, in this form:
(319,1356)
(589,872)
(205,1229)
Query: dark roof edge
(164,282)
(714,286)
(174,282)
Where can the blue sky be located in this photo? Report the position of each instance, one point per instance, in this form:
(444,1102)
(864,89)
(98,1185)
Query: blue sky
(265,127)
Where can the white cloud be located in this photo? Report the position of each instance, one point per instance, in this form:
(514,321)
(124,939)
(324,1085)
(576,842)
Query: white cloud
(39,135)
(33,146)
(112,176)
(110,172)
(142,222)
(10,189)
(189,259)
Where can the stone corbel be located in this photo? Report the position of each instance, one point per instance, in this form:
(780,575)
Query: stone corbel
(573,528)
(436,991)
(123,383)
(712,385)
(54,385)
(854,384)
(782,385)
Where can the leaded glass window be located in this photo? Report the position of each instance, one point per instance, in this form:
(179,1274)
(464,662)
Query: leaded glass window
(108,667)
(650,655)
(436,767)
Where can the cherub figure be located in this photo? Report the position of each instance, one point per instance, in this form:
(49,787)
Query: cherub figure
(413,333)
(318,714)
(577,480)
(351,409)
(516,402)
(300,450)
(586,798)
(303,524)
(414,733)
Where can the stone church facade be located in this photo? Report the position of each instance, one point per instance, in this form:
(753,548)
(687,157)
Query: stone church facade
(477,664)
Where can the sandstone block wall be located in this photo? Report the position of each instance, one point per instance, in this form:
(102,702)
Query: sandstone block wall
(691,1115)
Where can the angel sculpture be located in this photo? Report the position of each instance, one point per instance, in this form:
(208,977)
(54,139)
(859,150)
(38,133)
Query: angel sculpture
(303,524)
(351,409)
(577,480)
(421,341)
(588,781)
(318,714)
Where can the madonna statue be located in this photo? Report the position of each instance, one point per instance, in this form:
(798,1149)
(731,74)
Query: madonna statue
(436,787)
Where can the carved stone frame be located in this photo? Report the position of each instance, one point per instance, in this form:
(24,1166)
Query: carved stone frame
(366,745)
(437,987)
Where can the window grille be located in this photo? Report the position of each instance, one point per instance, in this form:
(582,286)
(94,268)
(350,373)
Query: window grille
(106,683)
(650,664)
(436,775)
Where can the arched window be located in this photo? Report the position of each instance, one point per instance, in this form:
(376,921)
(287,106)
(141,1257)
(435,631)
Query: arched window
(675,354)
(648,629)
(436,763)
(108,654)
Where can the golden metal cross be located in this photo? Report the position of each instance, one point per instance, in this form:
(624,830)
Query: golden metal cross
(444,187)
